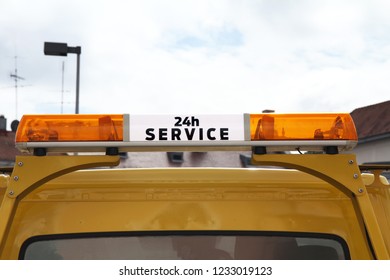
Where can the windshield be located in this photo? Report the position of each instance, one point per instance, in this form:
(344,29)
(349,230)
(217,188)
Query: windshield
(186,247)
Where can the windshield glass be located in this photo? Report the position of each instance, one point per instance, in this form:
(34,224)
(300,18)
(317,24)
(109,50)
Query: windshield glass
(187,247)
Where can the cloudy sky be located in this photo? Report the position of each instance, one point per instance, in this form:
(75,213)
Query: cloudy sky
(201,56)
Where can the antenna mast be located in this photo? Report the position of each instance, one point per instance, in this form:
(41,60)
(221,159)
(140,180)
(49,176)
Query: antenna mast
(62,88)
(16,78)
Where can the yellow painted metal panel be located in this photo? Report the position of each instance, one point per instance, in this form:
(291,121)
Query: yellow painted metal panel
(187,199)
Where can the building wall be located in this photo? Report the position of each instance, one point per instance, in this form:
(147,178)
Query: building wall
(190,159)
(8,152)
(375,151)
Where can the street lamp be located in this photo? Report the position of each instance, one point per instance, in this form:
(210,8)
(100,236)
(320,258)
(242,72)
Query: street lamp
(62,49)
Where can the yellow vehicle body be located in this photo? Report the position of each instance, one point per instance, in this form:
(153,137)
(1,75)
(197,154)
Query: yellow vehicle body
(311,206)
(44,197)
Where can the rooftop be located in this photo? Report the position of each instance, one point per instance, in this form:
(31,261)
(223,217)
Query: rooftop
(373,120)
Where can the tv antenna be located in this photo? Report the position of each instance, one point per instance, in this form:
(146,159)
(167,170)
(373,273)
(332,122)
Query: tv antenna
(62,87)
(16,79)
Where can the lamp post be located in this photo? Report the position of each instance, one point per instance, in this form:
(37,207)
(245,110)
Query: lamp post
(62,49)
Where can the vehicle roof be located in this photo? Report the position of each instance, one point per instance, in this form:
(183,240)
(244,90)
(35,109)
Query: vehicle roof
(244,175)
(271,174)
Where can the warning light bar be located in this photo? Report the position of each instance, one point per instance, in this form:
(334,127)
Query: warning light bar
(70,128)
(123,133)
(302,127)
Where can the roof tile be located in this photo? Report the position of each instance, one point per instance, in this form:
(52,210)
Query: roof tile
(372,120)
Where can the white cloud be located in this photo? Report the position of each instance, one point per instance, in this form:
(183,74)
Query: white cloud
(197,56)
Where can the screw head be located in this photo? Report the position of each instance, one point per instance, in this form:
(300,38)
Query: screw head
(20,163)
(16,178)
(11,193)
(350,161)
(355,176)
(360,190)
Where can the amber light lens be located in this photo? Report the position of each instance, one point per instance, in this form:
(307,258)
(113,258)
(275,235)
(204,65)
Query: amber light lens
(302,127)
(52,128)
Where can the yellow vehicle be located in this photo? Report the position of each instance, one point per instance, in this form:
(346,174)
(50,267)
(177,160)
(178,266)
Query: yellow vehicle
(65,200)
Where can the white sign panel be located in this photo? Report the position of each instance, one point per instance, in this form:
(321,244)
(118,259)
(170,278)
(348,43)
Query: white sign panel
(186,128)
